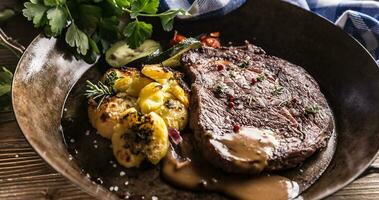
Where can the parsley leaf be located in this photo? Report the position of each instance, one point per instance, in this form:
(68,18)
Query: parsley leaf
(54,2)
(91,26)
(137,32)
(89,17)
(122,3)
(144,6)
(167,18)
(57,20)
(77,38)
(35,12)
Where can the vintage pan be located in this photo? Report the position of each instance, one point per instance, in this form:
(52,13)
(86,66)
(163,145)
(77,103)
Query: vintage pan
(347,74)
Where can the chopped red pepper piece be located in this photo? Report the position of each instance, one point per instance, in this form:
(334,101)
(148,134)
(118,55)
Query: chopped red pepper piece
(177,38)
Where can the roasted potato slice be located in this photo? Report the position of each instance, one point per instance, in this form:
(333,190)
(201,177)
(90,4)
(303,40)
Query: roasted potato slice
(169,81)
(126,149)
(151,97)
(178,91)
(108,115)
(174,113)
(146,137)
(129,81)
(158,140)
(157,73)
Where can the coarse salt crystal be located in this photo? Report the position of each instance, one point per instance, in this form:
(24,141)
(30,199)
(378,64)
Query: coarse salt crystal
(122,173)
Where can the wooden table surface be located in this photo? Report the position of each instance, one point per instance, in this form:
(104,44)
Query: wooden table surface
(24,175)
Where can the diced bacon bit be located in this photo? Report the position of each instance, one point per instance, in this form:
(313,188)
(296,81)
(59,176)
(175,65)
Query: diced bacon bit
(177,38)
(286,113)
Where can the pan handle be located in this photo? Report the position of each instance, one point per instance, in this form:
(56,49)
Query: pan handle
(18,50)
(373,169)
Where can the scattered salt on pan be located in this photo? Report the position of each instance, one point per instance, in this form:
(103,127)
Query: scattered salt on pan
(111,188)
(154,198)
(115,188)
(16,156)
(95,146)
(126,183)
(87,132)
(100,180)
(95,141)
(72,140)
(115,165)
(122,173)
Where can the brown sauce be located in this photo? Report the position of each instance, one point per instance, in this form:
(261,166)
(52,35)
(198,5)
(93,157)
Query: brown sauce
(248,145)
(189,171)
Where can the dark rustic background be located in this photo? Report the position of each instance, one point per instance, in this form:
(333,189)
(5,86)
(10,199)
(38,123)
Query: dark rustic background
(24,175)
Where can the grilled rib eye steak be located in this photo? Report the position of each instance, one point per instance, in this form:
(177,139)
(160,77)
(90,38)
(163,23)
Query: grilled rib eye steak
(251,112)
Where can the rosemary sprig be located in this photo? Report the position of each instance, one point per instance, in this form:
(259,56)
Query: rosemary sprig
(110,78)
(98,91)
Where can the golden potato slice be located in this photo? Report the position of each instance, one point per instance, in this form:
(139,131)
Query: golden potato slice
(175,89)
(157,73)
(151,97)
(129,81)
(108,115)
(145,137)
(125,148)
(174,113)
(156,130)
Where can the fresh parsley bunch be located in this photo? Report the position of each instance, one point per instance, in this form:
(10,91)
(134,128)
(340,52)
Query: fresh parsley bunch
(91,26)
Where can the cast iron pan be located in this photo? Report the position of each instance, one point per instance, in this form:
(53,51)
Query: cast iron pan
(348,77)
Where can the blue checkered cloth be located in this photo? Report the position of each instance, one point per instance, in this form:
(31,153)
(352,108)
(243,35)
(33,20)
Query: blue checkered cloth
(359,18)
